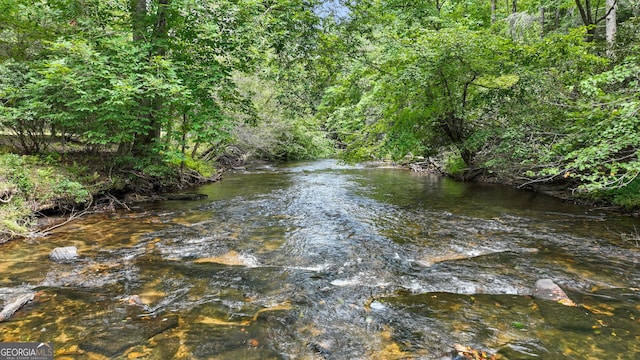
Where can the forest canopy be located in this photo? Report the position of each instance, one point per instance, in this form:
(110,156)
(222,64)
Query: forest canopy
(530,92)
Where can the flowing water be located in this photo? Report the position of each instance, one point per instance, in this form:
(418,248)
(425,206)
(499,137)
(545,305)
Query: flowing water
(323,261)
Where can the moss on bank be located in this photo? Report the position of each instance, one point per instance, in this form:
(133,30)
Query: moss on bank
(66,183)
(30,184)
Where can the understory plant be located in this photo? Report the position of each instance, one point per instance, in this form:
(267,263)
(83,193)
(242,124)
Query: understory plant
(29,185)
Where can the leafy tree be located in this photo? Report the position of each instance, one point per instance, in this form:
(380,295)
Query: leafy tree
(593,14)
(430,87)
(95,82)
(534,119)
(26,26)
(603,147)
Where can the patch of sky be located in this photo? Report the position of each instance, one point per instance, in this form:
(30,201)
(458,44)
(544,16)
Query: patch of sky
(335,8)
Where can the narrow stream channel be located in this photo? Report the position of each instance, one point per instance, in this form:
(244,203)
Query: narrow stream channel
(318,260)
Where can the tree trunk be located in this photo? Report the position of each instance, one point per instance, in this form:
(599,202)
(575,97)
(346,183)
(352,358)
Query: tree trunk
(149,108)
(138,9)
(611,26)
(159,41)
(591,20)
(493,11)
(585,12)
(587,18)
(454,128)
(541,22)
(467,156)
(160,30)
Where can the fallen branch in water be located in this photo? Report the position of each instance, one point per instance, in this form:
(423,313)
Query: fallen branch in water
(14,306)
(112,199)
(632,237)
(70,219)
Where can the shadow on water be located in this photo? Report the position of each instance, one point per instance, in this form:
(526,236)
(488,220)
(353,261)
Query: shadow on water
(327,261)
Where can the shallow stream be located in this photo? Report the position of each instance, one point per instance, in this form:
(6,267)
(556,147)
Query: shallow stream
(318,260)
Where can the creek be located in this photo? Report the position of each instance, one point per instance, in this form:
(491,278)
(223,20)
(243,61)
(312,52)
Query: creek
(319,260)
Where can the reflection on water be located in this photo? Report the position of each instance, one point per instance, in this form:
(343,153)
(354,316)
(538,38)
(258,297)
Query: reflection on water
(326,261)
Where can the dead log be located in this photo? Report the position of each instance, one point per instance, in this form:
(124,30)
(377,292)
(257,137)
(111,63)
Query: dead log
(15,305)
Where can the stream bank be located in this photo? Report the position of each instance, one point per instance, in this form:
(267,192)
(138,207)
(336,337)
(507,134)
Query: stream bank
(567,189)
(78,185)
(38,193)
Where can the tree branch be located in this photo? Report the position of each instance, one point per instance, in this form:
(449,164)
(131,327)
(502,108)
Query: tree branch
(583,13)
(615,2)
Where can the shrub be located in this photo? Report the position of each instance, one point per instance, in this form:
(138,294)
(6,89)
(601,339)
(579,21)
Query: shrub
(455,166)
(27,184)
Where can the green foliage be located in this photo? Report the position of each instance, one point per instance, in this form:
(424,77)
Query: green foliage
(532,121)
(156,82)
(28,184)
(112,92)
(26,27)
(517,96)
(303,140)
(74,191)
(434,88)
(16,172)
(603,146)
(170,88)
(179,160)
(455,165)
(627,197)
(79,91)
(281,131)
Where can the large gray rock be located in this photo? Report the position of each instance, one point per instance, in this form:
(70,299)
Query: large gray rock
(66,253)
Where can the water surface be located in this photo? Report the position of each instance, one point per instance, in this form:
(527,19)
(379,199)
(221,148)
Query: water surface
(319,260)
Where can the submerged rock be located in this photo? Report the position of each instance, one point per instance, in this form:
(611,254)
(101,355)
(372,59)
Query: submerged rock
(185,197)
(133,300)
(461,352)
(122,336)
(66,253)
